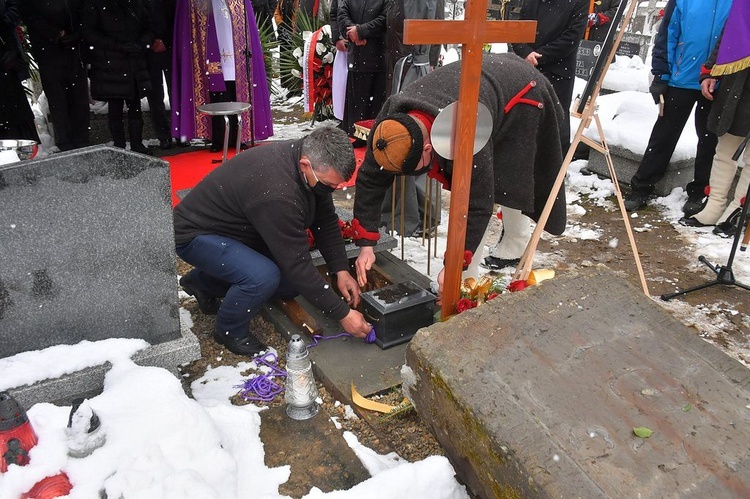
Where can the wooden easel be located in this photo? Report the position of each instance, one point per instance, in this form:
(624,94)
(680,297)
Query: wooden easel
(589,113)
(472,33)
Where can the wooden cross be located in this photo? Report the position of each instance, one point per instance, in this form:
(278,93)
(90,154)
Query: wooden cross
(472,33)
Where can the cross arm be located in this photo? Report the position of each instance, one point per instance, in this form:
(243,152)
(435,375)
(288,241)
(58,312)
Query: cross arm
(426,32)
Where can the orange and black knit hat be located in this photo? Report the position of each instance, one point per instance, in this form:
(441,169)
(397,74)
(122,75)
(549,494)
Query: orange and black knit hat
(396,143)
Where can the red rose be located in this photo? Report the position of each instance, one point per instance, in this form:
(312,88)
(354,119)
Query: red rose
(492,295)
(517,285)
(464,304)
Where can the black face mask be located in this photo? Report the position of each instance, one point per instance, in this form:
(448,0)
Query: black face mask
(321,189)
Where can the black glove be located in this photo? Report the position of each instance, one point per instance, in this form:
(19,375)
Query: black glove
(132,48)
(657,89)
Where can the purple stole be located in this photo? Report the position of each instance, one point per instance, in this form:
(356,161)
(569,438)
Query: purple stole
(734,48)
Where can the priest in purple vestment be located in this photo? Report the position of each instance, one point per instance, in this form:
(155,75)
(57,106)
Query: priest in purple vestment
(210,65)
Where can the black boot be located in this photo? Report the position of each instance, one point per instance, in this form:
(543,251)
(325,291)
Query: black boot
(117,130)
(728,228)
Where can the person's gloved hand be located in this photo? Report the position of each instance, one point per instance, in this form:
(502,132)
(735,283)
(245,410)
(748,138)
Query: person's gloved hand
(657,89)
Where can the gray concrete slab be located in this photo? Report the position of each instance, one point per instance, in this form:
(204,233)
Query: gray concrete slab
(537,393)
(626,162)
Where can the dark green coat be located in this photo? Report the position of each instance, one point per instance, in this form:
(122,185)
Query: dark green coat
(516,168)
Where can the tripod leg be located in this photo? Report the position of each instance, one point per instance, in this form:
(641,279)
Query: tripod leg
(667,297)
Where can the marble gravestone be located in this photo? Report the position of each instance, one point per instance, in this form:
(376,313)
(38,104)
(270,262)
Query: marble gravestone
(87,251)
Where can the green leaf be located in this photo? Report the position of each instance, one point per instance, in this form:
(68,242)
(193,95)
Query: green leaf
(686,407)
(642,432)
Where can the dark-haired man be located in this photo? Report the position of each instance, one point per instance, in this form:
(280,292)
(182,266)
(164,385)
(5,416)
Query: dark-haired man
(516,168)
(244,228)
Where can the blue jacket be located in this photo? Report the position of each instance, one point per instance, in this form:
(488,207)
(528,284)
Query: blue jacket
(686,36)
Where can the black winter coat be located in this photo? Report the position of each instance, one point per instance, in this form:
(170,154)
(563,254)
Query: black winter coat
(11,54)
(162,13)
(608,8)
(560,27)
(369,17)
(46,20)
(118,33)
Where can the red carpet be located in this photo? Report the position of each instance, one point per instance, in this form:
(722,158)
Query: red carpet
(189,168)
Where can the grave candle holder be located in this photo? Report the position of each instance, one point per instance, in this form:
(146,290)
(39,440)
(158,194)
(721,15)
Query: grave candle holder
(301,390)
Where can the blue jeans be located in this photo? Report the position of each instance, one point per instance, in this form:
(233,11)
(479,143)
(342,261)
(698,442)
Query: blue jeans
(244,277)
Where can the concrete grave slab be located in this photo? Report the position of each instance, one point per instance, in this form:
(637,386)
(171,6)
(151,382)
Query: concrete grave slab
(537,393)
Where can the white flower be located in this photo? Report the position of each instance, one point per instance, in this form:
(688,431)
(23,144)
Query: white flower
(297,73)
(320,49)
(297,53)
(327,29)
(328,58)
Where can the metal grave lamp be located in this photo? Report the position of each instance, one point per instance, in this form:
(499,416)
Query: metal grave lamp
(301,390)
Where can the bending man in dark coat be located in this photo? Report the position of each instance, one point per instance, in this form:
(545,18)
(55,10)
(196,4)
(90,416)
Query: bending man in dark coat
(244,228)
(516,168)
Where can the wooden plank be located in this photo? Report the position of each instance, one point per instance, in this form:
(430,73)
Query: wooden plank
(304,322)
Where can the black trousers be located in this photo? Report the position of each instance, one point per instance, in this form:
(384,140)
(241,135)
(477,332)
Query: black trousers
(135,122)
(156,97)
(217,122)
(678,103)
(67,91)
(365,95)
(563,88)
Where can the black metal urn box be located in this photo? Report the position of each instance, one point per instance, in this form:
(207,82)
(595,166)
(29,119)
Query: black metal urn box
(397,311)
